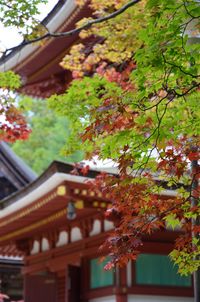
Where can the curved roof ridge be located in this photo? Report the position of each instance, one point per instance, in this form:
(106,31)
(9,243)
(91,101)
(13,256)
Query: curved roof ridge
(56,173)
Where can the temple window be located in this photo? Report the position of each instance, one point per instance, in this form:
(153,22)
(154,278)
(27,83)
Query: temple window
(99,277)
(155,269)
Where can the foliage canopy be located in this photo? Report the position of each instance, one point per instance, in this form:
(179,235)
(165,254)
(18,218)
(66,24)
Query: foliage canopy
(23,16)
(134,99)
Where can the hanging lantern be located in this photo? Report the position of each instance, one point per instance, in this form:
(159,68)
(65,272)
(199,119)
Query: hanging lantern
(71,211)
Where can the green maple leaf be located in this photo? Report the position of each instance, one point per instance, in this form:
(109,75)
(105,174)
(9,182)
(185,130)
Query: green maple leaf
(172,221)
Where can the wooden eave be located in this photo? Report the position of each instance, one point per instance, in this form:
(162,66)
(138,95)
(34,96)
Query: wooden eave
(44,63)
(49,209)
(54,167)
(40,71)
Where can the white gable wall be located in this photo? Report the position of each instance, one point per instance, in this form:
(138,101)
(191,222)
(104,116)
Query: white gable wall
(145,298)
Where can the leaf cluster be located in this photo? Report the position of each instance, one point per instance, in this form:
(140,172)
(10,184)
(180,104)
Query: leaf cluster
(20,14)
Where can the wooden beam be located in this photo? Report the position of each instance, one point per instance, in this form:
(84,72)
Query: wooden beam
(121,298)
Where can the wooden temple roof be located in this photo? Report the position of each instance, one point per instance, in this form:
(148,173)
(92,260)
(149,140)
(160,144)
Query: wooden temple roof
(43,203)
(38,65)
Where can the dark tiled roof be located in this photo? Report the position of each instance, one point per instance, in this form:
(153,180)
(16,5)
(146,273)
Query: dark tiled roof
(13,168)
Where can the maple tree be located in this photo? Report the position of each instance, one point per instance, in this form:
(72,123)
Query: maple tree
(134,99)
(23,16)
(13,125)
(4,297)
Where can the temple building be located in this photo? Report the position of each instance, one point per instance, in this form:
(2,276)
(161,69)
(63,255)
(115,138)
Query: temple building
(14,175)
(57,224)
(61,254)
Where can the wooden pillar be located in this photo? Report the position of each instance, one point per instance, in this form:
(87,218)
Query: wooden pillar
(62,286)
(25,286)
(85,276)
(121,279)
(121,298)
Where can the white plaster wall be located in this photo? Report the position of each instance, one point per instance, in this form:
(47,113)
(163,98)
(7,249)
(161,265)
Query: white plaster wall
(108,225)
(146,298)
(36,248)
(104,299)
(75,234)
(63,239)
(45,244)
(96,228)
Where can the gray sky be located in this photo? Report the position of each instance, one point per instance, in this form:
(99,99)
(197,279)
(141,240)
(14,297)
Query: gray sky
(9,36)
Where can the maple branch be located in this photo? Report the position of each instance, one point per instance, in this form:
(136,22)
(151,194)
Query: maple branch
(73,31)
(142,167)
(179,67)
(162,214)
(188,12)
(6,5)
(141,231)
